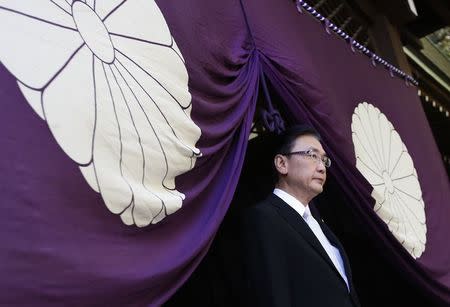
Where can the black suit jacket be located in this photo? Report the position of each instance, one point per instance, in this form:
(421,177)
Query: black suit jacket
(285,264)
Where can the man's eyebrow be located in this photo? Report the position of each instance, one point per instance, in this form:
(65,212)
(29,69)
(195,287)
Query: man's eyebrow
(318,151)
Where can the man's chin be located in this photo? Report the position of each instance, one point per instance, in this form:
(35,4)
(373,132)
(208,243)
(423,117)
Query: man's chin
(318,188)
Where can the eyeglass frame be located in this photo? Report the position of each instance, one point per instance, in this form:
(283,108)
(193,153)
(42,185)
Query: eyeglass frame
(310,153)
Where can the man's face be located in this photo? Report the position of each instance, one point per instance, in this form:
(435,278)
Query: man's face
(304,174)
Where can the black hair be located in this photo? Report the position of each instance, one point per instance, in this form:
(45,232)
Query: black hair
(287,138)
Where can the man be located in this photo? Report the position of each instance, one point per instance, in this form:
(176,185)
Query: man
(292,259)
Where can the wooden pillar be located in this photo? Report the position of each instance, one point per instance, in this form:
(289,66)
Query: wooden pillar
(387,43)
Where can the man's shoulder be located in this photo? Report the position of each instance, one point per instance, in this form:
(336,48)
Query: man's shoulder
(262,218)
(262,208)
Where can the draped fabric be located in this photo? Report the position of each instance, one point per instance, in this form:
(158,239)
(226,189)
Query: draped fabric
(123,131)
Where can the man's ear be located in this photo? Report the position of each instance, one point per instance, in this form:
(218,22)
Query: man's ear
(280,163)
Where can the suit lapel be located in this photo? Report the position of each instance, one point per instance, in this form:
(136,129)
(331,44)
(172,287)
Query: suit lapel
(299,225)
(334,240)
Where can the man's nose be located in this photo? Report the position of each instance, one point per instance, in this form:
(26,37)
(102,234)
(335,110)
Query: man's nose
(321,167)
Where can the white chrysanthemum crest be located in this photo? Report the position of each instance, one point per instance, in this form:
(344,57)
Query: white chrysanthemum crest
(110,81)
(382,158)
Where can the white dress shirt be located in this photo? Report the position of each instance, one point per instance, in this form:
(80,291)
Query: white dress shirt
(305,213)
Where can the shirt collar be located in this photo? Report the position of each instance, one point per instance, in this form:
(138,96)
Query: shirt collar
(293,202)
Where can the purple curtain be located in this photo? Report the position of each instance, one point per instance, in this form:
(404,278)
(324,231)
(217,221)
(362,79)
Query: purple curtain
(63,241)
(60,243)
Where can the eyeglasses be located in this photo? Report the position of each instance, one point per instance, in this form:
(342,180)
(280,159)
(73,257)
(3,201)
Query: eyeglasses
(311,154)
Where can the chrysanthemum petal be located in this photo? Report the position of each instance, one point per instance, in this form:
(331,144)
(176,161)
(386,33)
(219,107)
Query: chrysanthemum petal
(138,27)
(38,48)
(108,147)
(34,98)
(69,106)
